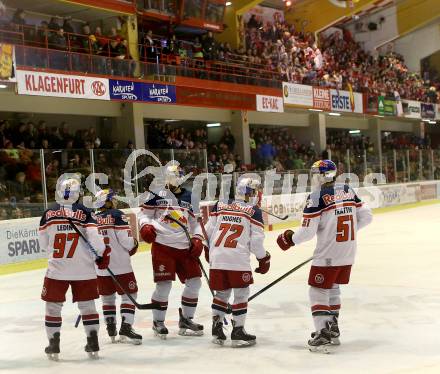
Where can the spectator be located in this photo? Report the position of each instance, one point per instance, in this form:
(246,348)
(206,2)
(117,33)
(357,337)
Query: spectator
(209,47)
(19,189)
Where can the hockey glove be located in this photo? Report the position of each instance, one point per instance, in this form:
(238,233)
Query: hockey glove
(134,249)
(196,248)
(284,240)
(104,260)
(148,233)
(263,264)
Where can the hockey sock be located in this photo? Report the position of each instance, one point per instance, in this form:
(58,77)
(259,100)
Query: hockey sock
(53,318)
(89,315)
(128,308)
(239,308)
(109,306)
(160,296)
(335,300)
(220,303)
(320,303)
(190,297)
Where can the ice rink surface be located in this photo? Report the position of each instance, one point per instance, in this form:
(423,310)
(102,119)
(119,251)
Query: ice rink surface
(389,320)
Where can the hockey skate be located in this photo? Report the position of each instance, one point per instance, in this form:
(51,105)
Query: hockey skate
(218,335)
(53,349)
(321,342)
(334,331)
(187,327)
(111,328)
(160,330)
(92,347)
(240,338)
(127,334)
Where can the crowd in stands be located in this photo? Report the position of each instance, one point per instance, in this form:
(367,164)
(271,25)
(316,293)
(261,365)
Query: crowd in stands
(270,51)
(338,62)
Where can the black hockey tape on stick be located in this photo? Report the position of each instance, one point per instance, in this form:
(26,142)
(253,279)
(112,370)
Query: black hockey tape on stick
(279,279)
(282,218)
(112,275)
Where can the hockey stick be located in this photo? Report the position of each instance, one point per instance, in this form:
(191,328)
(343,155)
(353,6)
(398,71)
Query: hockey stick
(279,279)
(282,218)
(112,275)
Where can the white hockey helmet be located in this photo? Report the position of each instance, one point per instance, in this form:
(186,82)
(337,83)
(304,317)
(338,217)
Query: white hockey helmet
(104,196)
(248,187)
(173,175)
(68,191)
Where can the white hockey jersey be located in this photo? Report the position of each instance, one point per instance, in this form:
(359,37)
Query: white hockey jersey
(177,206)
(334,214)
(235,230)
(116,231)
(69,256)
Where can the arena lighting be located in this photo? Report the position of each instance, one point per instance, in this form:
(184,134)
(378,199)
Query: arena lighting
(228,3)
(334,114)
(288,3)
(432,122)
(3,86)
(426,120)
(316,110)
(217,124)
(354,132)
(378,116)
(172,120)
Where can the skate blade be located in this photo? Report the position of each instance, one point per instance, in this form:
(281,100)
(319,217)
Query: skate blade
(323,349)
(336,341)
(243,343)
(93,355)
(125,339)
(160,336)
(53,356)
(113,339)
(188,332)
(218,341)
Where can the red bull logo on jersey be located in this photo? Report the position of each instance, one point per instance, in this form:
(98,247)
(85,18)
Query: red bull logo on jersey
(108,220)
(78,214)
(338,196)
(236,206)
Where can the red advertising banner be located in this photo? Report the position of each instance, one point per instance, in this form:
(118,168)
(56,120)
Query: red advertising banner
(321,98)
(370,104)
(212,98)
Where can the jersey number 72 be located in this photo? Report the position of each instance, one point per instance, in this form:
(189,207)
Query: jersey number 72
(231,240)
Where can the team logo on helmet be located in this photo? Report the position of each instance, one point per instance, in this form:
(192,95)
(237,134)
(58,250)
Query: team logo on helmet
(246,277)
(319,278)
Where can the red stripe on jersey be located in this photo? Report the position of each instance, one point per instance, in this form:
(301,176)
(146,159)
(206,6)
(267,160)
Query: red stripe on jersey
(66,222)
(227,213)
(317,214)
(320,307)
(220,303)
(189,300)
(127,306)
(335,307)
(171,208)
(88,317)
(53,319)
(109,307)
(239,306)
(114,227)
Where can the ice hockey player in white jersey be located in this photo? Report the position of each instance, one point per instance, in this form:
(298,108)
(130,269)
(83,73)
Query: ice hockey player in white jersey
(235,229)
(71,264)
(171,252)
(335,214)
(116,231)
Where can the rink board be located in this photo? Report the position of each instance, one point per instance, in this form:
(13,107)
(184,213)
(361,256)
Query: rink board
(19,238)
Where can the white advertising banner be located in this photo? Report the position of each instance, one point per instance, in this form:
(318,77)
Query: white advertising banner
(411,109)
(19,240)
(60,85)
(298,94)
(346,101)
(270,104)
